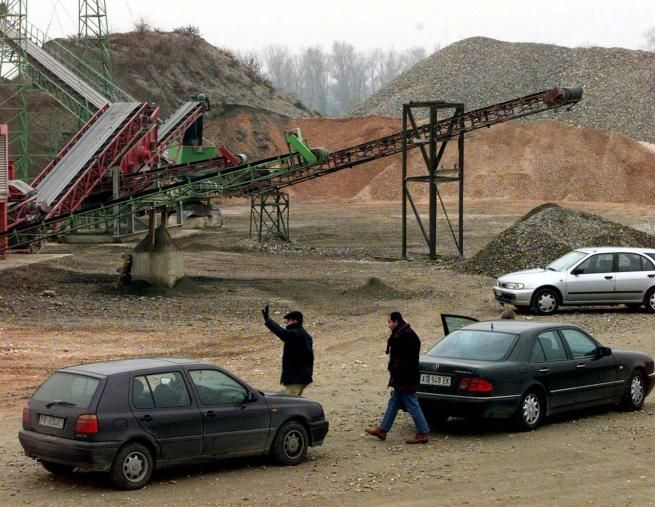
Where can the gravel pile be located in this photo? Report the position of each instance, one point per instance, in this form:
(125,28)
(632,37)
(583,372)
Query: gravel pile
(619,84)
(546,233)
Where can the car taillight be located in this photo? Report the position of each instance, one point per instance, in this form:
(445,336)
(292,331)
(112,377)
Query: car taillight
(26,415)
(86,423)
(475,385)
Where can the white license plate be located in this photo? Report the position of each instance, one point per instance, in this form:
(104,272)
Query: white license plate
(51,422)
(435,380)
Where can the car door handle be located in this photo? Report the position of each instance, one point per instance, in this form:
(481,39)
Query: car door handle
(146,418)
(651,276)
(210,413)
(544,370)
(609,277)
(581,365)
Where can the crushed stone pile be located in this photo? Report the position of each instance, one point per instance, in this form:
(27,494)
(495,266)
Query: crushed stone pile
(618,83)
(546,233)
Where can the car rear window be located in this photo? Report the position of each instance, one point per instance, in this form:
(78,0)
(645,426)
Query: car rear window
(78,390)
(475,345)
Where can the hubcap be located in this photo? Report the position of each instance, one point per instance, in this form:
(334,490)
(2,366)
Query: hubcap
(293,444)
(547,302)
(135,467)
(651,301)
(531,409)
(636,391)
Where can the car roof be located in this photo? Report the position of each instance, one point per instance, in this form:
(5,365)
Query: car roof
(514,326)
(127,365)
(611,249)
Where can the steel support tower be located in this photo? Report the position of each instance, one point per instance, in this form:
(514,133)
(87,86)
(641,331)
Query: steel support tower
(433,147)
(94,35)
(15,82)
(269,215)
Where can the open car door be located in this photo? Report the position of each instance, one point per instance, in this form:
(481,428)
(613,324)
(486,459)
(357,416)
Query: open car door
(451,323)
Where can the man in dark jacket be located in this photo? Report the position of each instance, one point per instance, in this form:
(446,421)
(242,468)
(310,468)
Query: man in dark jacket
(403,348)
(297,355)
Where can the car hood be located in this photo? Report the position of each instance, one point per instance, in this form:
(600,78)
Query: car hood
(531,275)
(279,399)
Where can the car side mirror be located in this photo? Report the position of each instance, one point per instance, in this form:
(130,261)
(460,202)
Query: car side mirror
(604,351)
(251,396)
(577,271)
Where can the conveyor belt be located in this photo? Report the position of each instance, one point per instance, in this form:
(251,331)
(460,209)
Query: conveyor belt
(45,62)
(173,120)
(79,155)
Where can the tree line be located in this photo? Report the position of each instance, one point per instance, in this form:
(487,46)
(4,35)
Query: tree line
(332,82)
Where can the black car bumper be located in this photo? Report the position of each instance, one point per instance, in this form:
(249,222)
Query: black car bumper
(469,406)
(95,456)
(318,430)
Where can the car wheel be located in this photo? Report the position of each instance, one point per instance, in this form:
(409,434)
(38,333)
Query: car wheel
(545,301)
(290,444)
(57,468)
(531,411)
(635,392)
(649,300)
(132,467)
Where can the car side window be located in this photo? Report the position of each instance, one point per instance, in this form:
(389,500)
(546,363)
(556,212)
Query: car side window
(538,355)
(579,343)
(216,388)
(600,263)
(166,390)
(552,346)
(634,262)
(141,393)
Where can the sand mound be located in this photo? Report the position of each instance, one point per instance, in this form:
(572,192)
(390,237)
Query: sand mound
(547,232)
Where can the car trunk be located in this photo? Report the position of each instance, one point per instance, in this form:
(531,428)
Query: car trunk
(443,377)
(61,399)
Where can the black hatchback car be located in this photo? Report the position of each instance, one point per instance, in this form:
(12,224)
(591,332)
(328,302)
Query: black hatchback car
(131,416)
(526,370)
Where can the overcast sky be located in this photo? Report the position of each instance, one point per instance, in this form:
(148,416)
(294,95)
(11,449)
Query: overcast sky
(250,25)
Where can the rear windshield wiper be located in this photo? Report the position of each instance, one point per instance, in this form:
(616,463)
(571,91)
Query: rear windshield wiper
(60,402)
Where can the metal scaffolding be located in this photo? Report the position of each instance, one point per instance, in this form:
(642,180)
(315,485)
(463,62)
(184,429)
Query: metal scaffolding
(433,146)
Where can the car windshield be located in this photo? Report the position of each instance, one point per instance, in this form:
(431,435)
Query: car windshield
(566,261)
(475,345)
(67,389)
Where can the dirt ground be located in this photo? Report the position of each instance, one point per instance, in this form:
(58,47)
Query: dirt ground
(342,269)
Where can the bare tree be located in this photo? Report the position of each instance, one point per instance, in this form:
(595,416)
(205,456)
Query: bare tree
(314,75)
(650,39)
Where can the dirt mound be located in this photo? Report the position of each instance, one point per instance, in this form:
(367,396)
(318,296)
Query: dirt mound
(546,233)
(541,161)
(184,286)
(618,83)
(169,67)
(374,288)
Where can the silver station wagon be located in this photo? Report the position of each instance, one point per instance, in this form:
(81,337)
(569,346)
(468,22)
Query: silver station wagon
(586,276)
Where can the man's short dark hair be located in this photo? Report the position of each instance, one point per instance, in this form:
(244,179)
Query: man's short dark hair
(297,316)
(396,317)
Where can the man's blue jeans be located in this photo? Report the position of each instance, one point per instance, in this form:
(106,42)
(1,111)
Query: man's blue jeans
(396,401)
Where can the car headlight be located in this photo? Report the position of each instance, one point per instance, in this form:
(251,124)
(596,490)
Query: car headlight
(513,285)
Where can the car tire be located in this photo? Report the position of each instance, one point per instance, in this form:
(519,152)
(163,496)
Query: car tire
(545,301)
(290,444)
(649,300)
(531,411)
(132,467)
(635,392)
(57,468)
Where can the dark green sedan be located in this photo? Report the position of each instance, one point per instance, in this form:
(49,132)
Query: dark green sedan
(526,370)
